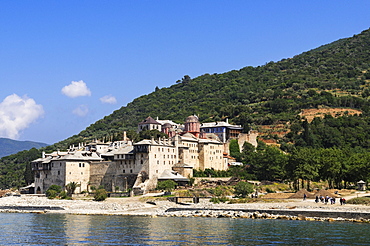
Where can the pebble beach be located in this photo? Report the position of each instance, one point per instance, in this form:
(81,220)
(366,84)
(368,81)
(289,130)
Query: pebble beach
(292,209)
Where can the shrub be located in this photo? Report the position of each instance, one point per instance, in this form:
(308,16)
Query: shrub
(100,195)
(222,199)
(269,190)
(191,180)
(51,194)
(63,195)
(167,185)
(53,191)
(215,200)
(220,191)
(242,189)
(57,188)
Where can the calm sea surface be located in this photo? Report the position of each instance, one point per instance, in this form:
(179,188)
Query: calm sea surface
(61,229)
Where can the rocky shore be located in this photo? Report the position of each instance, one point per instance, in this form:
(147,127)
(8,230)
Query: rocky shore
(137,206)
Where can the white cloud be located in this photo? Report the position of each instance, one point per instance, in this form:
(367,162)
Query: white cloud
(81,110)
(108,99)
(76,89)
(16,114)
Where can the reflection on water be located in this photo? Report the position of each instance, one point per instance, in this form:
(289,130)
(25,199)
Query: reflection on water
(61,229)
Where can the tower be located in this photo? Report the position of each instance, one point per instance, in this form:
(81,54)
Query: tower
(192,125)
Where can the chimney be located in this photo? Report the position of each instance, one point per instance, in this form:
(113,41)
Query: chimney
(124,136)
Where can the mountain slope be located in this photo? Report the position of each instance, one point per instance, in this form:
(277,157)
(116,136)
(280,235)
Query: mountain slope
(9,146)
(258,95)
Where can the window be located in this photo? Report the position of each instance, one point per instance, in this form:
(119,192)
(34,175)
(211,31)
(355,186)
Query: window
(124,171)
(130,170)
(58,172)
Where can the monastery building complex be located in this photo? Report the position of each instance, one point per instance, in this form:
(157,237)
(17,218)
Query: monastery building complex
(123,165)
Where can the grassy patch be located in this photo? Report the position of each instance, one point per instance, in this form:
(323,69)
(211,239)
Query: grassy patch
(360,200)
(272,188)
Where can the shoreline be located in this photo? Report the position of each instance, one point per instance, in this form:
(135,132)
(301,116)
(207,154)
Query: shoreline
(134,206)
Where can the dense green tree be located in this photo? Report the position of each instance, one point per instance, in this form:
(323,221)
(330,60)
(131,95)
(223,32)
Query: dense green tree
(243,189)
(270,164)
(234,149)
(304,165)
(167,185)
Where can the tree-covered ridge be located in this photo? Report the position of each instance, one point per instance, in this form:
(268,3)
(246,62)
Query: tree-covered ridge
(15,170)
(330,132)
(333,75)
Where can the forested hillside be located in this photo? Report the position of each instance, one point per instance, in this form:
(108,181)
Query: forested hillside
(333,75)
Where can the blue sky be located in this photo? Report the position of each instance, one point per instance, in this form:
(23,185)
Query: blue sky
(66,64)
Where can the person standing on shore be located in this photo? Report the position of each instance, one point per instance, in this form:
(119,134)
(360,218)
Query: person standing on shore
(304,196)
(317,199)
(322,198)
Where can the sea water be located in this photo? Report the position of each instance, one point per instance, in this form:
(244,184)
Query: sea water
(65,229)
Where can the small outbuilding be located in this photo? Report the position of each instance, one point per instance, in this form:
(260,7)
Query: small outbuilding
(175,176)
(361,185)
